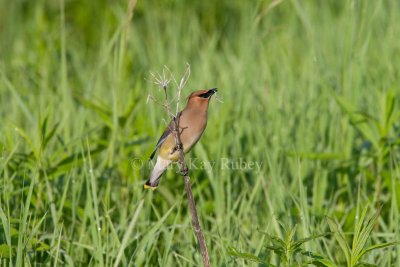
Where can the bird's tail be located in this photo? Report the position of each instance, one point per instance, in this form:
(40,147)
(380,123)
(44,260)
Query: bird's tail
(159,169)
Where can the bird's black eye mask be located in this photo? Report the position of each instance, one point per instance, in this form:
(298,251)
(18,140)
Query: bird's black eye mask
(209,93)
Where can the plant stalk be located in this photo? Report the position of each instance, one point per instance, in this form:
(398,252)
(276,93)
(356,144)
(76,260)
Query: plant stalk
(192,205)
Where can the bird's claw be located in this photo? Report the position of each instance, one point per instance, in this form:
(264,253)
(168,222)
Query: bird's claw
(177,147)
(185,171)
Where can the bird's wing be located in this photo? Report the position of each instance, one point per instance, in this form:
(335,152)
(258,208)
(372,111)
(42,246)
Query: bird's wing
(164,136)
(161,140)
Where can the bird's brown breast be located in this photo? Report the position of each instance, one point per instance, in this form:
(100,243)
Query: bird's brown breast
(191,124)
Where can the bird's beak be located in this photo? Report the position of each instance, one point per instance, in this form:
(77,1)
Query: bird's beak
(210,93)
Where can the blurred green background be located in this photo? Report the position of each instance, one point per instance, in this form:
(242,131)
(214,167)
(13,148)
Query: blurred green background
(310,90)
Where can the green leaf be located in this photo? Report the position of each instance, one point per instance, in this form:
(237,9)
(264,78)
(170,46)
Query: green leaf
(41,246)
(277,250)
(378,246)
(358,228)
(361,235)
(49,136)
(318,259)
(274,239)
(300,242)
(339,236)
(246,256)
(290,234)
(5,251)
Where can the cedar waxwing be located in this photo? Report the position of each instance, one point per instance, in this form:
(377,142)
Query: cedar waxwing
(192,122)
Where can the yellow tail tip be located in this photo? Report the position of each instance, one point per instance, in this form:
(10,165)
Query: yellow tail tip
(149,187)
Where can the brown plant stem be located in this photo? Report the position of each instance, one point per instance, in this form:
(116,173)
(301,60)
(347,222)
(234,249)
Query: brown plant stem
(192,205)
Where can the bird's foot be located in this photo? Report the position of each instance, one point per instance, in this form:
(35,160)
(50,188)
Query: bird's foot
(177,147)
(184,170)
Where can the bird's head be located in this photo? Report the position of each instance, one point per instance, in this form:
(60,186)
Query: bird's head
(202,96)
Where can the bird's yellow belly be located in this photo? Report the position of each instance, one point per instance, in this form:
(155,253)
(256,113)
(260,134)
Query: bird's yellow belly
(168,151)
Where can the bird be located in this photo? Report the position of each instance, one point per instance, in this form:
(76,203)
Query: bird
(192,123)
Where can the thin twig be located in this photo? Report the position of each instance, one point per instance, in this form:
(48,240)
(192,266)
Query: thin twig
(192,205)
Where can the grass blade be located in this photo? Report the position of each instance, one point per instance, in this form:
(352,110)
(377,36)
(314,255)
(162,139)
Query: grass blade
(128,233)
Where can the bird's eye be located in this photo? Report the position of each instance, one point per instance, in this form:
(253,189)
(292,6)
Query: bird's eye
(205,95)
(209,93)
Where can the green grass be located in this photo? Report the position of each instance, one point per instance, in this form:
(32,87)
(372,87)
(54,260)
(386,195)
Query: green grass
(311,92)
